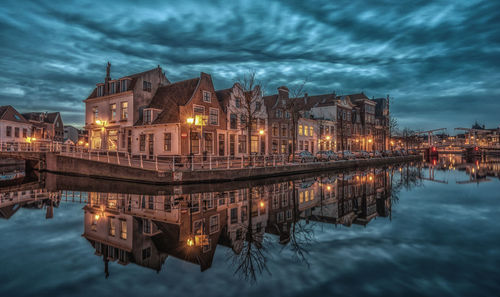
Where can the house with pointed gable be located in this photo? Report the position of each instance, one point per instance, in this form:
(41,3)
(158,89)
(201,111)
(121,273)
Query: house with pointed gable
(164,129)
(115,105)
(237,111)
(46,126)
(13,126)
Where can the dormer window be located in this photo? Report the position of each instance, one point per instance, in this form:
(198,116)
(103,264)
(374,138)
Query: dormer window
(100,90)
(146,86)
(237,102)
(124,85)
(147,116)
(207,97)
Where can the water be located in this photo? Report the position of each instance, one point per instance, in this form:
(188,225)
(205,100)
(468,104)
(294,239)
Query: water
(411,229)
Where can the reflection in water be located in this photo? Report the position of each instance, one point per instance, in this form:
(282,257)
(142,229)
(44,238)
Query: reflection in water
(147,229)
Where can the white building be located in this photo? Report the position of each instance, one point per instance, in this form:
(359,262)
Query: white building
(233,103)
(115,105)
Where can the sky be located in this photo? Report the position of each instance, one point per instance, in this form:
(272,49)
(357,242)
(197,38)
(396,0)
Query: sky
(438,60)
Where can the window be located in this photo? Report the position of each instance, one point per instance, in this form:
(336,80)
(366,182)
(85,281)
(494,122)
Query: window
(300,130)
(112,227)
(8,131)
(146,253)
(207,97)
(111,87)
(112,108)
(242,144)
(243,120)
(283,146)
(234,215)
(151,202)
(25,133)
(209,143)
(100,90)
(254,144)
(306,145)
(198,110)
(257,106)
(284,129)
(275,146)
(146,86)
(275,130)
(214,224)
(195,142)
(237,102)
(146,226)
(301,145)
(95,112)
(147,116)
(167,146)
(287,115)
(311,131)
(214,116)
(124,110)
(123,229)
(244,213)
(142,142)
(16,132)
(278,113)
(124,85)
(306,131)
(233,121)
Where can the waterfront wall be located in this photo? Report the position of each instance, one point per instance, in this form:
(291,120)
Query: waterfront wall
(58,164)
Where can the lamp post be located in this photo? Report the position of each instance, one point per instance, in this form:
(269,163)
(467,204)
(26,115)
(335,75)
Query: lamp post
(190,122)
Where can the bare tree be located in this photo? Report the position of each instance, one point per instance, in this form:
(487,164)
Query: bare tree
(250,259)
(294,106)
(251,106)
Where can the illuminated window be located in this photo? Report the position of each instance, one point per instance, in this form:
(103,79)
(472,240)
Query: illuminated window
(167,146)
(124,110)
(300,130)
(112,227)
(123,229)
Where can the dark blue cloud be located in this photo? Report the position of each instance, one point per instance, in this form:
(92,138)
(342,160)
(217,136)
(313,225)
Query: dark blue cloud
(440,60)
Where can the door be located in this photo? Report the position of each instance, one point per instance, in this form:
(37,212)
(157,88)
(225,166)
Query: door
(232,144)
(151,140)
(221,144)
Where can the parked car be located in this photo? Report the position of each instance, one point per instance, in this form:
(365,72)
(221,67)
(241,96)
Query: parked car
(376,154)
(326,155)
(347,155)
(305,156)
(362,155)
(387,153)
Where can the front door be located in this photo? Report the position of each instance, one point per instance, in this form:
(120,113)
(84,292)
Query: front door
(232,143)
(151,139)
(221,144)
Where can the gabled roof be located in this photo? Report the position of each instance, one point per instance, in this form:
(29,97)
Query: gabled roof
(358,96)
(9,113)
(134,77)
(168,99)
(224,96)
(48,117)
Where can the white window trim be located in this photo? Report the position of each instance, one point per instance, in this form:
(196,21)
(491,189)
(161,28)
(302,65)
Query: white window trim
(209,97)
(210,114)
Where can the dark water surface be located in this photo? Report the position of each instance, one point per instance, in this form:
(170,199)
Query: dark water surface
(419,229)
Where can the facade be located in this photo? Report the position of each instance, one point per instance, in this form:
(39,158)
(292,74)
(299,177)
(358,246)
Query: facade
(46,126)
(164,128)
(238,111)
(279,123)
(13,126)
(114,106)
(307,135)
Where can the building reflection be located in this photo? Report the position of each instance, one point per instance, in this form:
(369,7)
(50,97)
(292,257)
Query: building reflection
(14,199)
(147,229)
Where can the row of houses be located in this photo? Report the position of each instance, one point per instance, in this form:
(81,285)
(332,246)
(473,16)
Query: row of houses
(17,127)
(146,114)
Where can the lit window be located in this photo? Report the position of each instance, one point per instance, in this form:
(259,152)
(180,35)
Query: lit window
(123,229)
(168,142)
(300,130)
(112,108)
(124,110)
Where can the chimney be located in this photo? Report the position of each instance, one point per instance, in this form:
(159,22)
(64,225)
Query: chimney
(283,92)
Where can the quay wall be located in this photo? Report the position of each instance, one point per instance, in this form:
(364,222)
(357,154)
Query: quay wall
(65,165)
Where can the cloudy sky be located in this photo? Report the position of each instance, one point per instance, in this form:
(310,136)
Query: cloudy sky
(438,60)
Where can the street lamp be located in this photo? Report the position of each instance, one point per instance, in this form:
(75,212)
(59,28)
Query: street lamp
(190,122)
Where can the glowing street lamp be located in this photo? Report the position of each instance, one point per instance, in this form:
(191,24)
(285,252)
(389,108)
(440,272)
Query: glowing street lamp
(261,132)
(262,204)
(190,121)
(327,137)
(190,242)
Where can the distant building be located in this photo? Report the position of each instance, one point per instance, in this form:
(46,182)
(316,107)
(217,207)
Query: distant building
(13,126)
(71,133)
(46,125)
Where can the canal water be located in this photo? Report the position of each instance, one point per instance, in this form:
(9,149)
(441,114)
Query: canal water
(419,229)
